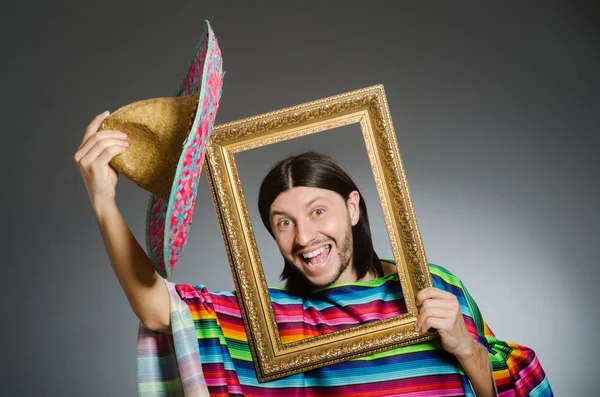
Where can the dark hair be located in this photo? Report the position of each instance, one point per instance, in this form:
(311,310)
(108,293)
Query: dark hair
(312,169)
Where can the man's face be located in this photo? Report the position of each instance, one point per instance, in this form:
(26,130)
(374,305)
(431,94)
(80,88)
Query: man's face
(313,229)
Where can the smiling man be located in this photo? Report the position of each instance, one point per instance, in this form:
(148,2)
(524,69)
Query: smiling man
(316,214)
(312,227)
(334,280)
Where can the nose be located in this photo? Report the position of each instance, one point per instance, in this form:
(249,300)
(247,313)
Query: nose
(305,233)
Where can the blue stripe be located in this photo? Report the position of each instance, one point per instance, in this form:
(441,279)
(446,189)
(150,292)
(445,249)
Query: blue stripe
(354,372)
(351,295)
(542,390)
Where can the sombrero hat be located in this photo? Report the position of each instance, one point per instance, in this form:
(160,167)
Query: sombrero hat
(167,140)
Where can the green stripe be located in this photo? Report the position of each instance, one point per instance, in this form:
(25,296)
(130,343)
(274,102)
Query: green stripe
(207,329)
(239,350)
(370,283)
(419,347)
(166,385)
(446,276)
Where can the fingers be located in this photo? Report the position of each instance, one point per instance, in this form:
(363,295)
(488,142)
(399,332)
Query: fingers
(442,311)
(432,293)
(438,312)
(438,323)
(93,127)
(112,147)
(100,141)
(444,306)
(108,154)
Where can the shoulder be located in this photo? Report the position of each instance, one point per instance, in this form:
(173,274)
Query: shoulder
(187,291)
(441,277)
(442,272)
(444,279)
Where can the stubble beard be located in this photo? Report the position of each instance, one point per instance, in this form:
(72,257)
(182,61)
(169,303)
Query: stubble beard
(344,256)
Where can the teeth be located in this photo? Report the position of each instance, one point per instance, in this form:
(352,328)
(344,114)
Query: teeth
(314,253)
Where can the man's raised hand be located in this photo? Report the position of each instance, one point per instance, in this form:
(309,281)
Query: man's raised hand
(93,156)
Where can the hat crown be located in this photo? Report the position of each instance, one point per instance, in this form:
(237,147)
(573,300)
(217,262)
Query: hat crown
(157,129)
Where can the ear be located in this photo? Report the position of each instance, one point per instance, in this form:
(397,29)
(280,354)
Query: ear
(352,204)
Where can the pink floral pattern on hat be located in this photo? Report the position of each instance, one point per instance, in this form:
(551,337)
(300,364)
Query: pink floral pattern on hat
(170,221)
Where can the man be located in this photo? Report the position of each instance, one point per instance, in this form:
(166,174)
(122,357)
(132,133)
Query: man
(317,216)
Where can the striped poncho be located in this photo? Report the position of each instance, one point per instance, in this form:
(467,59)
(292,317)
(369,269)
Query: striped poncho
(208,353)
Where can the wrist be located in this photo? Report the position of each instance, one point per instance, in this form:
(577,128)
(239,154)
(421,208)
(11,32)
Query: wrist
(467,350)
(103,208)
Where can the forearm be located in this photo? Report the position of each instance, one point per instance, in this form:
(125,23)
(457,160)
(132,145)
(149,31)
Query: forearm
(476,364)
(144,288)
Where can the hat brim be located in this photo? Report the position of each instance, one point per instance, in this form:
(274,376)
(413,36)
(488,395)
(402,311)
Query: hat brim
(168,221)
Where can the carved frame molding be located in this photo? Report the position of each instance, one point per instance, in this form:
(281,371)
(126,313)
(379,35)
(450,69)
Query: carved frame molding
(367,107)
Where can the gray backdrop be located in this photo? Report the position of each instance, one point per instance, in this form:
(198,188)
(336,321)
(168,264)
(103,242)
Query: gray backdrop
(496,113)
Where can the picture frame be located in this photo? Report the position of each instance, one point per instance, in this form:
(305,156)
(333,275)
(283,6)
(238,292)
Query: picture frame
(368,108)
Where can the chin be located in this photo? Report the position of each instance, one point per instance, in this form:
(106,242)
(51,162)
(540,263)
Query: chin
(326,279)
(320,283)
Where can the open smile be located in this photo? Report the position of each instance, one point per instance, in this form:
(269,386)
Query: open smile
(316,258)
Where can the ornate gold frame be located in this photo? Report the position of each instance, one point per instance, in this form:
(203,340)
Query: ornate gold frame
(368,107)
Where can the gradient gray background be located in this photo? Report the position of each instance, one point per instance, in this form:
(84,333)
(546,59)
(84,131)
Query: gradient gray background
(496,112)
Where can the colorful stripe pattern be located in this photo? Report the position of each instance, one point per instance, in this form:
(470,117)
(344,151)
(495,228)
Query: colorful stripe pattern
(328,310)
(168,222)
(227,369)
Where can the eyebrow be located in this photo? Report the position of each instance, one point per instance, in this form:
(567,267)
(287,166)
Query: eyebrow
(306,206)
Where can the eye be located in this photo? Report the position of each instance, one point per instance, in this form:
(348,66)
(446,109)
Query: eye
(283,223)
(318,212)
